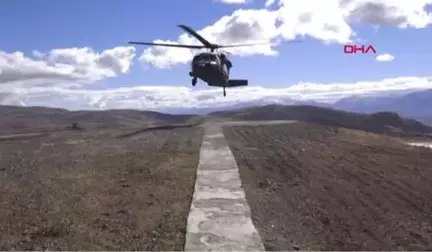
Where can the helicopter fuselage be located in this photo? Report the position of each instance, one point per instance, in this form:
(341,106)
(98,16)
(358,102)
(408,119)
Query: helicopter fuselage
(210,68)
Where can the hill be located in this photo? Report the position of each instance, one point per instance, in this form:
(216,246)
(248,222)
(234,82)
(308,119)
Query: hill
(425,120)
(413,104)
(15,118)
(207,109)
(380,122)
(321,188)
(31,119)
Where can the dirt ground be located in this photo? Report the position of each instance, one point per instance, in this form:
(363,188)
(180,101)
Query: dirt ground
(88,190)
(314,187)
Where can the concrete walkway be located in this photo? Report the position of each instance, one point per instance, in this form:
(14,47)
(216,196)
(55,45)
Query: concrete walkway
(219,218)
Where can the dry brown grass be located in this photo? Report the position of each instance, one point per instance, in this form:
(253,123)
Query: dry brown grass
(314,187)
(92,191)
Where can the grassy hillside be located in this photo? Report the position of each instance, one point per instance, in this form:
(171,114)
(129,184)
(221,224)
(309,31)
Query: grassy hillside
(320,188)
(34,119)
(378,122)
(89,191)
(14,118)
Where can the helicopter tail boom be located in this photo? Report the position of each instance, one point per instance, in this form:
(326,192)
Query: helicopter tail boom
(237,83)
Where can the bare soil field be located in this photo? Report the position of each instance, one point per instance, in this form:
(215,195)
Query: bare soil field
(18,120)
(92,190)
(313,187)
(380,122)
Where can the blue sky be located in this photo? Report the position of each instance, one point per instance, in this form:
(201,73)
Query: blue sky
(101,25)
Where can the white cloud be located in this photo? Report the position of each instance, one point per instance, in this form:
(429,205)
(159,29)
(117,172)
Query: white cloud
(329,21)
(243,26)
(77,65)
(270,3)
(385,57)
(154,98)
(400,13)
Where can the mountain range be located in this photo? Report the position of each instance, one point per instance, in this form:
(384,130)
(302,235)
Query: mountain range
(380,122)
(417,105)
(408,104)
(31,119)
(414,104)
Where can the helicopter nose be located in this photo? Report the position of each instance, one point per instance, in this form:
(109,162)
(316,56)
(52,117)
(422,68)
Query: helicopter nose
(198,67)
(202,64)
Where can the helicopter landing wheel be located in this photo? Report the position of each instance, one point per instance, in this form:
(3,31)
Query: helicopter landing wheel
(194,81)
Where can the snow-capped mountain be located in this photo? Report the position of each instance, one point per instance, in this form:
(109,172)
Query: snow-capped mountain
(413,104)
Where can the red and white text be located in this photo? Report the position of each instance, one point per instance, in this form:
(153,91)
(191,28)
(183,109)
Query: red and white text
(364,49)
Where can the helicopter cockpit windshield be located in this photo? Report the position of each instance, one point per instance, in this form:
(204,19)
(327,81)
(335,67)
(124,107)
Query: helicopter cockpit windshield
(205,58)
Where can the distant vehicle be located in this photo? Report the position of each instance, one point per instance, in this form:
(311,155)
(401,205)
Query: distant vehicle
(211,67)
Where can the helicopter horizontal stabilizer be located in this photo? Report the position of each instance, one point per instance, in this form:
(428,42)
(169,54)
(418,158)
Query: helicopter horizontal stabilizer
(237,83)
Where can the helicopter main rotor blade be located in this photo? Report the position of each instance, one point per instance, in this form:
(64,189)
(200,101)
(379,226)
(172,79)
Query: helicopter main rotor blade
(168,45)
(196,35)
(241,45)
(253,44)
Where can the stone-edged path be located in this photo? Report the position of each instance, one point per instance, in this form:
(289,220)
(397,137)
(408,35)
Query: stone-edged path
(219,217)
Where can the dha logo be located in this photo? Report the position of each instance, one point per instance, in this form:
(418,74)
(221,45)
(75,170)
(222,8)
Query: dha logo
(353,49)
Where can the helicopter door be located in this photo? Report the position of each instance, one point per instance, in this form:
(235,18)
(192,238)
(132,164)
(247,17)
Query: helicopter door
(225,70)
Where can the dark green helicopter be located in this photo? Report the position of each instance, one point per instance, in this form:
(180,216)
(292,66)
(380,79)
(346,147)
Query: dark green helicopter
(211,67)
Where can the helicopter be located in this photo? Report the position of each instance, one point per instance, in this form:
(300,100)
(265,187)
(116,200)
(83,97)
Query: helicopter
(211,67)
